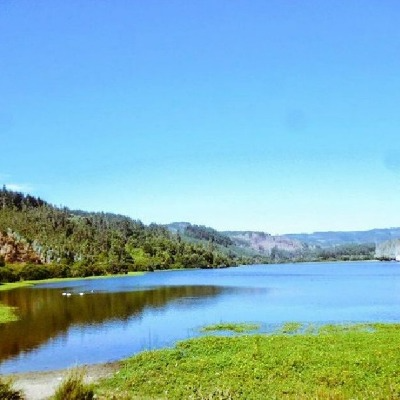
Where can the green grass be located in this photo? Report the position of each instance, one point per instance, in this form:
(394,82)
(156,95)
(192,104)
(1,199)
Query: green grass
(231,327)
(73,387)
(14,285)
(7,392)
(291,327)
(362,362)
(7,314)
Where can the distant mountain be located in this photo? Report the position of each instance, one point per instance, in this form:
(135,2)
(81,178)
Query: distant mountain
(264,243)
(329,239)
(247,242)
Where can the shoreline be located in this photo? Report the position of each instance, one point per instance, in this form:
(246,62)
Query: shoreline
(29,283)
(40,385)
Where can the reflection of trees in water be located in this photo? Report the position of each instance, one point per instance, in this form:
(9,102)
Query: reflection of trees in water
(45,313)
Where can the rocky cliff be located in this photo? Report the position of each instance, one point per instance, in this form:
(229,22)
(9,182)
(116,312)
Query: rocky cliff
(263,243)
(15,249)
(389,250)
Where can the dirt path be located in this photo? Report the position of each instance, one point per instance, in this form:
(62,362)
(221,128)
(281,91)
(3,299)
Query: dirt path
(42,385)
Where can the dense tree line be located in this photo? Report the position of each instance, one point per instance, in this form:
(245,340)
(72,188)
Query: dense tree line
(345,252)
(58,242)
(78,243)
(209,234)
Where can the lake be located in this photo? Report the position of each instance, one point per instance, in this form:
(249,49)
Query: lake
(109,319)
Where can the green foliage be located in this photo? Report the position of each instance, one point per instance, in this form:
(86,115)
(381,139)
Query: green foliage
(208,234)
(341,364)
(232,327)
(7,392)
(78,243)
(291,327)
(31,272)
(74,388)
(7,274)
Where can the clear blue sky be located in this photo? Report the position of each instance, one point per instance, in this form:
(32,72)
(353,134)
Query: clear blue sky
(281,116)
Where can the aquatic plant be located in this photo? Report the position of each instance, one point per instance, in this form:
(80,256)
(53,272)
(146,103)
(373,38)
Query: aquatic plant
(231,327)
(343,363)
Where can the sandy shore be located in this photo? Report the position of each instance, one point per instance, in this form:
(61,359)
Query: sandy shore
(42,385)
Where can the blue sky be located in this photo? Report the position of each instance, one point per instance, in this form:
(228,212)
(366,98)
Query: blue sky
(277,115)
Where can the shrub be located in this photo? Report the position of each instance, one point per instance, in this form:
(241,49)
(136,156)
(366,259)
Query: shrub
(74,388)
(7,275)
(7,392)
(33,272)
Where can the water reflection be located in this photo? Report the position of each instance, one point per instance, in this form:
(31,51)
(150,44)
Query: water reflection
(46,313)
(126,315)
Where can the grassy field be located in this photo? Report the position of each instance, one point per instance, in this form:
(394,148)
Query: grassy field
(333,362)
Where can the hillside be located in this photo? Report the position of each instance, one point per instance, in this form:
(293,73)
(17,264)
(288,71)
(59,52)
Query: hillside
(249,242)
(265,248)
(39,240)
(264,243)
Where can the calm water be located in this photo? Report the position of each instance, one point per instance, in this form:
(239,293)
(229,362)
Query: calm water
(117,317)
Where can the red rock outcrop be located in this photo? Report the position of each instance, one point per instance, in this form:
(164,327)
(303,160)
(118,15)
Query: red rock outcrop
(17,250)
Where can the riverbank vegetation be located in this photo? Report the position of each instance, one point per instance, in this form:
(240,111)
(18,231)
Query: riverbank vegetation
(358,362)
(73,387)
(231,327)
(7,391)
(41,241)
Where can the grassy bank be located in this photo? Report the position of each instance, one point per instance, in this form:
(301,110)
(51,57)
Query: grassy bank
(360,362)
(15,285)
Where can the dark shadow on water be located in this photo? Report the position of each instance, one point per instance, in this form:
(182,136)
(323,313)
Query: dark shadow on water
(46,313)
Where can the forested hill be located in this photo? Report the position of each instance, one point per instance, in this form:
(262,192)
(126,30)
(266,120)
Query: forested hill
(200,232)
(266,248)
(39,240)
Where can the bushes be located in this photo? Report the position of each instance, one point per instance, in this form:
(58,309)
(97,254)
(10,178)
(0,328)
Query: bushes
(33,272)
(74,388)
(7,392)
(8,275)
